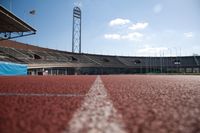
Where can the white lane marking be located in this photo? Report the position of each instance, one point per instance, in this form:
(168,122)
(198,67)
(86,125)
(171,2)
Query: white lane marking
(41,94)
(97,113)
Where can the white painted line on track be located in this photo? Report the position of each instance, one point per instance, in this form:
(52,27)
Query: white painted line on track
(97,113)
(41,94)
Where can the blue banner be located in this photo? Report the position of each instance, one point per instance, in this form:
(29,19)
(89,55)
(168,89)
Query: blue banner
(11,69)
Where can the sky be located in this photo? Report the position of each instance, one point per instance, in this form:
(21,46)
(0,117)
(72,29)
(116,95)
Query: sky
(114,27)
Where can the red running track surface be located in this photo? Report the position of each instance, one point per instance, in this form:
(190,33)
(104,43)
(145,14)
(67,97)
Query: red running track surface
(36,114)
(40,114)
(147,103)
(156,104)
(46,84)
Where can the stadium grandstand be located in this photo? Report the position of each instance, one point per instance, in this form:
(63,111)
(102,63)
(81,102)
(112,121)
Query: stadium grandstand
(44,61)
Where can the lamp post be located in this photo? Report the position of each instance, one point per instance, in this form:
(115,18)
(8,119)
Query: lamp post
(176,61)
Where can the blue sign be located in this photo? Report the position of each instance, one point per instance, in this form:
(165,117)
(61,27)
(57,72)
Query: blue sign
(11,69)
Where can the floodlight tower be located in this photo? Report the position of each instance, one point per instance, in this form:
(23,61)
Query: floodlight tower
(76,31)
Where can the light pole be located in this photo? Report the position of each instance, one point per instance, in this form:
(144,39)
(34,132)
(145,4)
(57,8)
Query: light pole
(180,61)
(170,59)
(176,61)
(160,61)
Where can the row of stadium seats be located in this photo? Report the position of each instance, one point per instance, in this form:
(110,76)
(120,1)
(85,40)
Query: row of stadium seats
(34,55)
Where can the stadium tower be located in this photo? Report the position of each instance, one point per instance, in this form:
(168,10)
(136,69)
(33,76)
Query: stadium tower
(76,31)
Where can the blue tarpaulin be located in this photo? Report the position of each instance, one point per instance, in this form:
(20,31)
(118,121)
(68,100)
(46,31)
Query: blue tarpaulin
(7,68)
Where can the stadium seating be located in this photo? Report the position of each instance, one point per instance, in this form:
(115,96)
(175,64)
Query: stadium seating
(11,51)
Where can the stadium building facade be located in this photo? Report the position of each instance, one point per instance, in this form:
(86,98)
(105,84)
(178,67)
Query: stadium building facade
(44,61)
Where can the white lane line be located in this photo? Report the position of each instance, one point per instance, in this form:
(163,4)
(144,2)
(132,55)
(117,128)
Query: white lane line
(97,113)
(41,94)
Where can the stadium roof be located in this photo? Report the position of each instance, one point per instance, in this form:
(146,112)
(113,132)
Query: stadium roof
(12,27)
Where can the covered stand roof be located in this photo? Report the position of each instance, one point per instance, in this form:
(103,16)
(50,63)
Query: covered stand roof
(12,27)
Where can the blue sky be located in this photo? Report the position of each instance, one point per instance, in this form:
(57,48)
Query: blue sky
(115,27)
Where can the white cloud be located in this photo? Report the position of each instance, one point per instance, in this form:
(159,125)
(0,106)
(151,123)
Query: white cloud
(112,36)
(135,36)
(148,50)
(119,21)
(139,26)
(189,34)
(157,8)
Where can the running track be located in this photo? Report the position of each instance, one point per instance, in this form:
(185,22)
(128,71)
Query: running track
(96,104)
